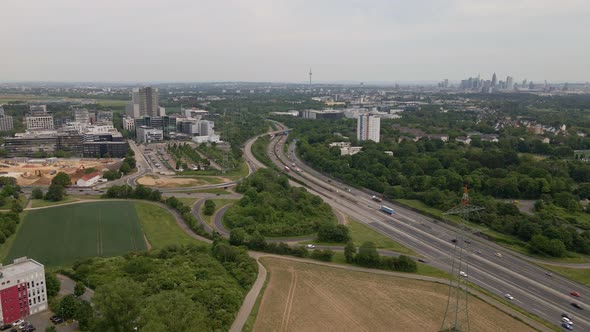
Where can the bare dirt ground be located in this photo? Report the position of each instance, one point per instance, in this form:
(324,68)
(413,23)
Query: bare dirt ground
(169,182)
(307,297)
(39,173)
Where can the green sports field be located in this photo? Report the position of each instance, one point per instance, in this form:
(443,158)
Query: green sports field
(62,234)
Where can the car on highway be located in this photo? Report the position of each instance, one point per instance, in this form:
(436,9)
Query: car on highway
(576,294)
(467,241)
(567,326)
(549,274)
(566,320)
(454,240)
(478,252)
(498,254)
(421,260)
(566,316)
(508,296)
(463,274)
(310,246)
(577,306)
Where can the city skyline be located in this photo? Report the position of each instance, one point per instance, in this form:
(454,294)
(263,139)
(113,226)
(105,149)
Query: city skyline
(269,41)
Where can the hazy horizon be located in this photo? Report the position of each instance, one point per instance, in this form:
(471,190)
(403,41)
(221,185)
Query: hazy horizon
(386,42)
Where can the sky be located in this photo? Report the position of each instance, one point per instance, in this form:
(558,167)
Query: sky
(280,40)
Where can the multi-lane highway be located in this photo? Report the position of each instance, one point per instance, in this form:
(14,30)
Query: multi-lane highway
(533,289)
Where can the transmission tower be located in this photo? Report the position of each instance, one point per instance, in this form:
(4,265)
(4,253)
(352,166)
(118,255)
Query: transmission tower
(457,313)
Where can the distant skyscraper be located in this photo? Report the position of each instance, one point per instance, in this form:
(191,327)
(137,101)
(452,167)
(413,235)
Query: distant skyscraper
(494,80)
(368,128)
(144,102)
(509,82)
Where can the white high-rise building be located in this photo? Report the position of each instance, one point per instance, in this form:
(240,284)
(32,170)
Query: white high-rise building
(39,122)
(82,116)
(368,127)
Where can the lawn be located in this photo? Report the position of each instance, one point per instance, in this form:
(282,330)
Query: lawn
(188,201)
(361,233)
(580,275)
(219,203)
(160,227)
(60,235)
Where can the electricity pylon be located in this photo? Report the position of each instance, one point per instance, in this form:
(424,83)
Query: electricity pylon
(457,312)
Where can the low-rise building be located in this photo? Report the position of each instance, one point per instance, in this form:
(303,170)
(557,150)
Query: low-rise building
(89,180)
(325,114)
(22,289)
(145,134)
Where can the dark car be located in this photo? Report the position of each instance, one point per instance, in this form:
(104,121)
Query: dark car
(421,260)
(56,320)
(454,240)
(566,316)
(567,326)
(5,327)
(577,306)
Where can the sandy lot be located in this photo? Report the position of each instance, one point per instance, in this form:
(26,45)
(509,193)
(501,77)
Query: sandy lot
(307,297)
(168,182)
(39,173)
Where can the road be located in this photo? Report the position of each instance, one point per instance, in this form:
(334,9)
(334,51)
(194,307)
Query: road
(534,291)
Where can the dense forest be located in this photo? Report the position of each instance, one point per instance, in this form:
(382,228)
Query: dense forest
(272,207)
(172,289)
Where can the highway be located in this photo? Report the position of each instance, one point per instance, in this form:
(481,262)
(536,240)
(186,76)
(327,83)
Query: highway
(533,290)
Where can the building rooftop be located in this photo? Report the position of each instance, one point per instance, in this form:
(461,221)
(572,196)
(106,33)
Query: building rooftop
(19,266)
(90,176)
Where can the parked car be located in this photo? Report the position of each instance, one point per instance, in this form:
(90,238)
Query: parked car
(508,296)
(18,322)
(5,327)
(577,306)
(576,294)
(56,320)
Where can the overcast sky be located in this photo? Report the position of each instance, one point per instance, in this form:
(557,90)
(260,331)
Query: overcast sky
(276,40)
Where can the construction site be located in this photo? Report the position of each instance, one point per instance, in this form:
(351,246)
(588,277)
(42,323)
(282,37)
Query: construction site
(39,172)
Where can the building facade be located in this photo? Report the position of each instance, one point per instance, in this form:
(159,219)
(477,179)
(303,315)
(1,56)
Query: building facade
(40,122)
(368,128)
(145,134)
(144,102)
(81,115)
(22,289)
(6,123)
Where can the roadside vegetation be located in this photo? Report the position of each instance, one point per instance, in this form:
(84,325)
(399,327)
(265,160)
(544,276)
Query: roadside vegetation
(272,207)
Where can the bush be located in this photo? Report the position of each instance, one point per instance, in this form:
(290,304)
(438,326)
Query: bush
(209,207)
(37,193)
(322,255)
(333,233)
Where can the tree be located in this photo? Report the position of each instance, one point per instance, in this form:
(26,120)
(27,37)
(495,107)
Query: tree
(119,304)
(112,175)
(156,195)
(329,232)
(52,284)
(55,193)
(322,255)
(16,207)
(125,168)
(79,289)
(84,316)
(209,207)
(349,251)
(368,255)
(237,237)
(62,179)
(37,193)
(67,307)
(173,311)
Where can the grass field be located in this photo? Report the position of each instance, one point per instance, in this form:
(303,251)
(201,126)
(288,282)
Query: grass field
(62,234)
(42,203)
(159,226)
(308,297)
(580,275)
(188,201)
